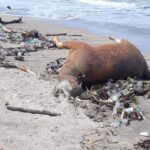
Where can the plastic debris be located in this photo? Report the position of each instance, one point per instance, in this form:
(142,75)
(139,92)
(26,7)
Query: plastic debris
(31,34)
(5,29)
(125,121)
(122,95)
(2,55)
(116,124)
(138,109)
(116,95)
(144,144)
(15,43)
(115,109)
(126,105)
(135,116)
(55,66)
(129,110)
(20,58)
(120,122)
(147,134)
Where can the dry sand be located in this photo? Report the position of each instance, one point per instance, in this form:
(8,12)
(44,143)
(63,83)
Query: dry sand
(73,130)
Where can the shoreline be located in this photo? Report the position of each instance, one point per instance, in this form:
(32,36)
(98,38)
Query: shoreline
(138,38)
(44,27)
(31,23)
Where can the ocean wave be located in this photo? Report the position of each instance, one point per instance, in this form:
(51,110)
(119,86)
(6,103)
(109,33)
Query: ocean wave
(109,3)
(71,17)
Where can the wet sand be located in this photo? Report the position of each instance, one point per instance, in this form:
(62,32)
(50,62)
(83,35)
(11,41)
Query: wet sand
(73,130)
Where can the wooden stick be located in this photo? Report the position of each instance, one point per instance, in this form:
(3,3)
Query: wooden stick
(19,20)
(75,35)
(62,34)
(122,114)
(60,60)
(109,101)
(9,65)
(27,70)
(56,34)
(26,110)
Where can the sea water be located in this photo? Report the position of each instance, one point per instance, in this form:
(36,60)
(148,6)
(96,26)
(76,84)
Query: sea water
(124,18)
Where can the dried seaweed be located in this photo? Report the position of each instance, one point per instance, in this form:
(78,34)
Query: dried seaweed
(144,144)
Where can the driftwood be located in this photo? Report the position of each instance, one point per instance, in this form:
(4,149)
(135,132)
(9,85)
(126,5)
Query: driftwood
(56,34)
(10,65)
(9,7)
(8,30)
(62,34)
(60,59)
(19,20)
(141,91)
(75,35)
(32,111)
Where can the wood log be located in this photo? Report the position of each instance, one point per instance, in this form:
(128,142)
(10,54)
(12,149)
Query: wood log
(32,111)
(11,65)
(75,35)
(19,20)
(56,34)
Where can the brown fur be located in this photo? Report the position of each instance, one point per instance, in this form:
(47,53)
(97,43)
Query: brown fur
(101,63)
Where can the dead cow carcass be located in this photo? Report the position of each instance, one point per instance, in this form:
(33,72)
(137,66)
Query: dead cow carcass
(89,65)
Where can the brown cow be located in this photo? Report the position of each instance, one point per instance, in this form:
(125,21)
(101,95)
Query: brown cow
(100,63)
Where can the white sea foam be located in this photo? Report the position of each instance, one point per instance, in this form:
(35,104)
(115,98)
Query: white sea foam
(110,3)
(124,12)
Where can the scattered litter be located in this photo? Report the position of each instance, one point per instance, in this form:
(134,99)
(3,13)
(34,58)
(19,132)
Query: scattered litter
(55,66)
(122,114)
(117,124)
(116,107)
(15,42)
(119,97)
(129,110)
(135,116)
(145,134)
(5,29)
(139,110)
(125,121)
(31,34)
(20,58)
(144,144)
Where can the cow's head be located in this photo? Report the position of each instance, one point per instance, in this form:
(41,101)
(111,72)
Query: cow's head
(69,87)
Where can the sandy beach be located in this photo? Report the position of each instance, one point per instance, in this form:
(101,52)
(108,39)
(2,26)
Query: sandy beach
(73,130)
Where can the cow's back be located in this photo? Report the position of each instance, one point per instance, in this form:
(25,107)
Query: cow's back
(100,63)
